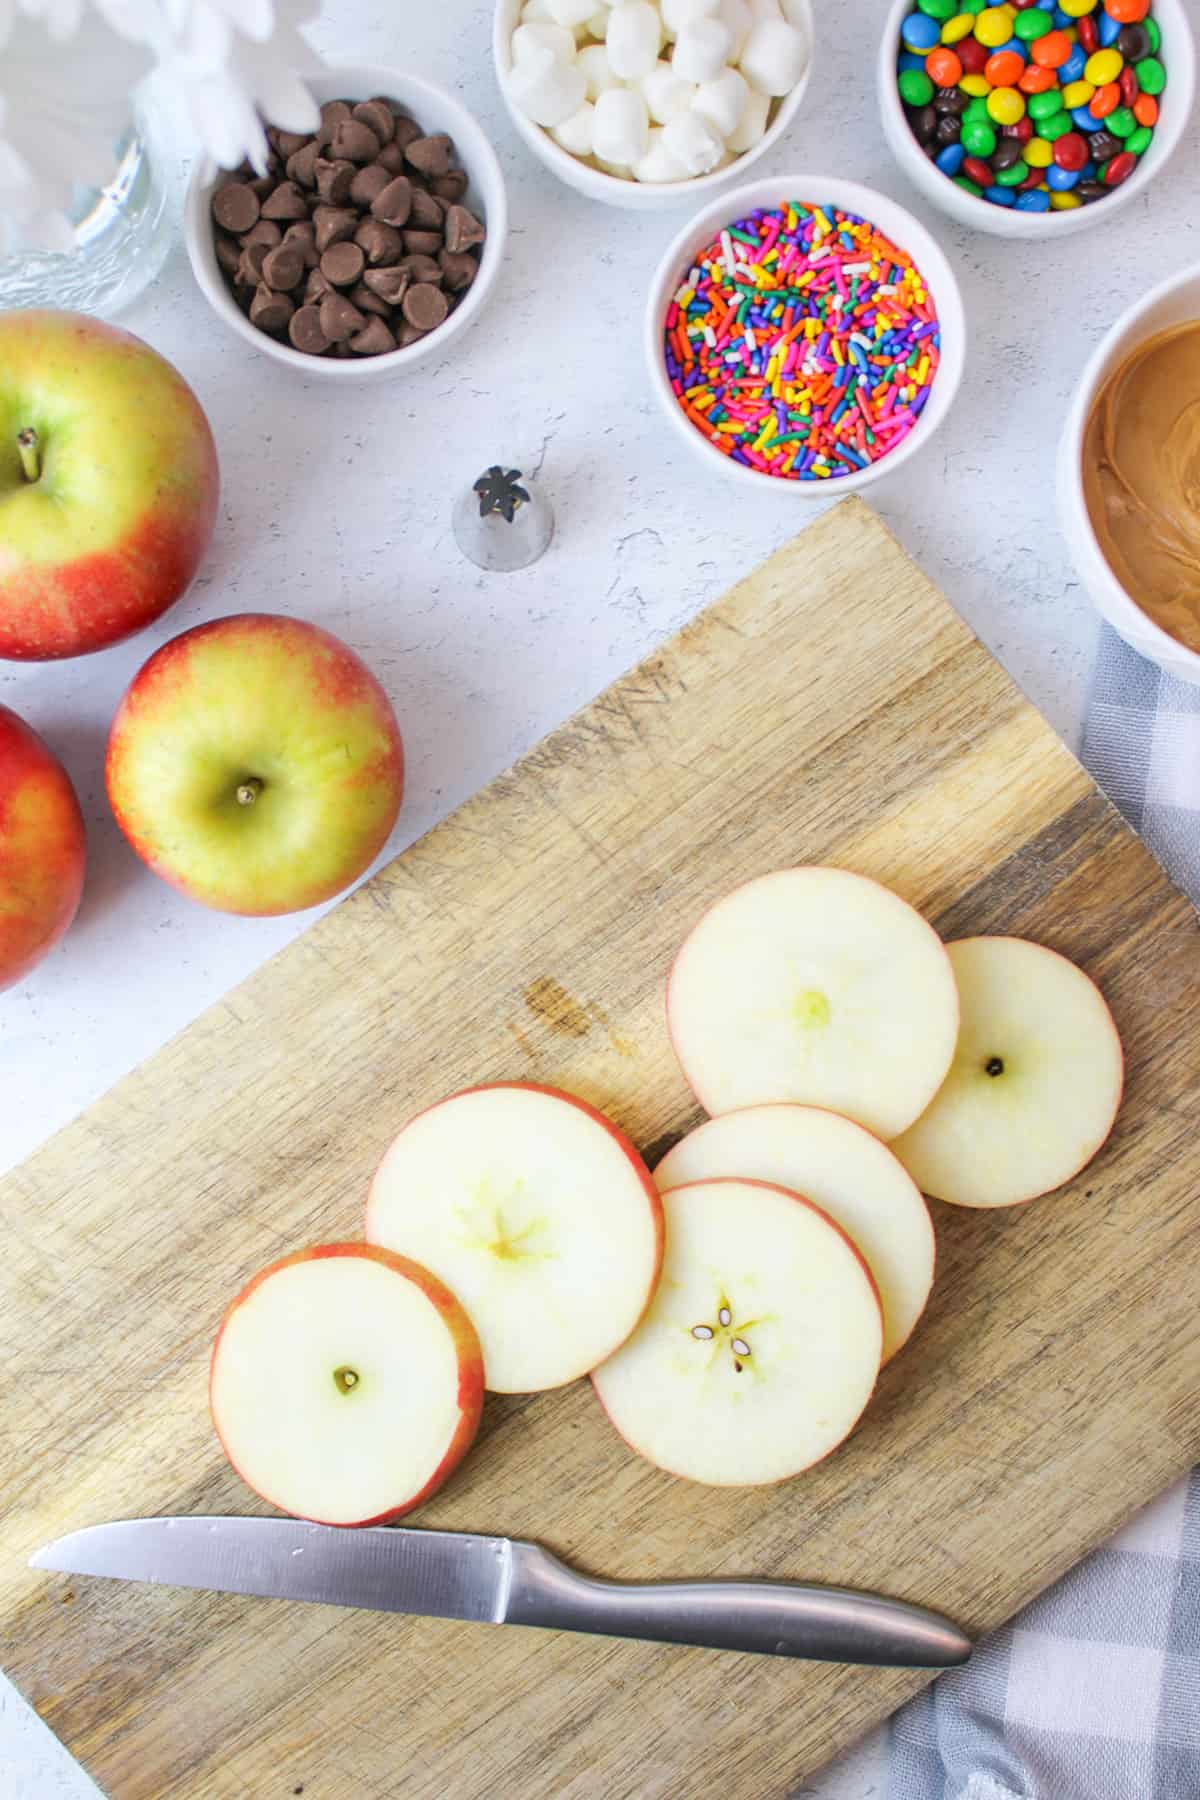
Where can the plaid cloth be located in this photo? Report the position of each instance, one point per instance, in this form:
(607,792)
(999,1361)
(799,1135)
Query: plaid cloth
(1093,1692)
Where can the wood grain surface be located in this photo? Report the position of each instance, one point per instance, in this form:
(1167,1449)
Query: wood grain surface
(832,707)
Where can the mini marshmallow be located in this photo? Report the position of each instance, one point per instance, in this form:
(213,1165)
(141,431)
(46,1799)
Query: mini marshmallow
(693,143)
(764,9)
(536,12)
(599,71)
(797,15)
(736,17)
(753,122)
(540,34)
(621,126)
(723,101)
(702,50)
(658,164)
(622,171)
(666,94)
(545,88)
(571,12)
(597,25)
(633,37)
(774,57)
(678,13)
(577,134)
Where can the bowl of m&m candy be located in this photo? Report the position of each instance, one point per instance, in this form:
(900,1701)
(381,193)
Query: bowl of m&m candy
(806,334)
(1035,116)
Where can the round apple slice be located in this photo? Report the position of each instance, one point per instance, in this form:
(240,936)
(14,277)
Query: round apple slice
(842,1169)
(1035,1084)
(815,986)
(538,1213)
(762,1343)
(346,1384)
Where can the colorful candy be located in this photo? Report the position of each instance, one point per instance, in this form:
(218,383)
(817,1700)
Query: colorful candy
(803,342)
(1042,105)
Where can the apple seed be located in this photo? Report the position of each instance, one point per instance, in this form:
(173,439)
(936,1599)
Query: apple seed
(993,1066)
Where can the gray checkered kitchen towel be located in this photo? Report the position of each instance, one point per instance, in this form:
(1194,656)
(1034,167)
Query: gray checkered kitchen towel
(1093,1692)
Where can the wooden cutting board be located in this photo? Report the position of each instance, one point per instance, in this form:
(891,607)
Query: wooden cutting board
(832,707)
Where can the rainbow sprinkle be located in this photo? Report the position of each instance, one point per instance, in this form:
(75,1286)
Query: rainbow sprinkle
(803,343)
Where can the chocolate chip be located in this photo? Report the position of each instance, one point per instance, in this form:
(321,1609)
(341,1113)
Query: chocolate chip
(405,131)
(408,334)
(334,180)
(458,271)
(380,243)
(342,264)
(427,211)
(287,202)
(249,270)
(301,234)
(422,268)
(394,202)
(266,232)
(331,224)
(283,267)
(422,243)
(373,340)
(305,333)
(316,287)
(288,142)
(389,285)
(391,158)
(463,230)
(368,182)
(425,306)
(378,115)
(368,302)
(332,114)
(270,312)
(340,318)
(235,207)
(430,154)
(228,252)
(450,187)
(262,185)
(354,140)
(302,165)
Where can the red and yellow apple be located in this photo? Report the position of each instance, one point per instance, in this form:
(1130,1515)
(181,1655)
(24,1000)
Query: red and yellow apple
(108,484)
(346,1384)
(42,849)
(255,763)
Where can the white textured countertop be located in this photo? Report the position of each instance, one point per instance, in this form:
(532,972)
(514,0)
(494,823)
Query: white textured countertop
(337,509)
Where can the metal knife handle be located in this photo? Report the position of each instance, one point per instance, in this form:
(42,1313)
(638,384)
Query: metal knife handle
(772,1618)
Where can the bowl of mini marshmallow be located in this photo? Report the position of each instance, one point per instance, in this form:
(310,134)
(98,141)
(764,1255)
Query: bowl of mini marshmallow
(649,103)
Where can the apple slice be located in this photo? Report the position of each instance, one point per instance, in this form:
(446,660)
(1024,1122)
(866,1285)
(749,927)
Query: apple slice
(817,986)
(842,1169)
(761,1345)
(346,1384)
(538,1213)
(1035,1084)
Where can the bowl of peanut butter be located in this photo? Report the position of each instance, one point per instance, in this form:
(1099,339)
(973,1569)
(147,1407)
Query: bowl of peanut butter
(1129,476)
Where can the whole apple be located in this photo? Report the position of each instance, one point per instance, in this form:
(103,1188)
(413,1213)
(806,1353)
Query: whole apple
(108,485)
(42,849)
(255,763)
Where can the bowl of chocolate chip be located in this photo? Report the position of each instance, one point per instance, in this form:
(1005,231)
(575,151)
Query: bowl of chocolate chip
(368,243)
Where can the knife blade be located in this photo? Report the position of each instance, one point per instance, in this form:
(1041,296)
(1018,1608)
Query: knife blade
(505,1581)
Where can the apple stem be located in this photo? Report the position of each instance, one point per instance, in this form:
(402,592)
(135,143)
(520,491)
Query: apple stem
(30,452)
(248,791)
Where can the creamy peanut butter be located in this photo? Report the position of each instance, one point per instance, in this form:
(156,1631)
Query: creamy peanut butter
(1141,478)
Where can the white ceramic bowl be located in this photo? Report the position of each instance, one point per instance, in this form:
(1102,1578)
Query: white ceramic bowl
(434,110)
(639,196)
(905,231)
(1178,55)
(1171,303)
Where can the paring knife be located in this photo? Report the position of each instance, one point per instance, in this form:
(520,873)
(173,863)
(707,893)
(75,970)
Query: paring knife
(504,1581)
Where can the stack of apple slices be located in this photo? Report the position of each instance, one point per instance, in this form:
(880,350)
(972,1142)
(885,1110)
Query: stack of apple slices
(733,1309)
